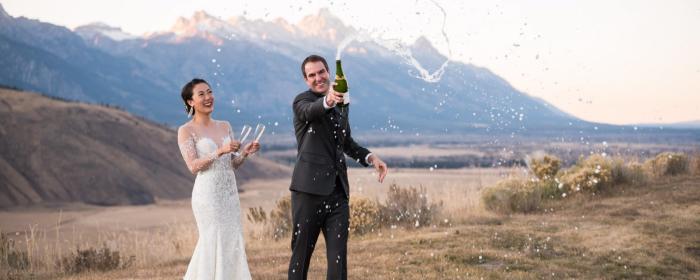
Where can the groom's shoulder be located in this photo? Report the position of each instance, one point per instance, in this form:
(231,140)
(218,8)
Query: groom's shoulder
(304,95)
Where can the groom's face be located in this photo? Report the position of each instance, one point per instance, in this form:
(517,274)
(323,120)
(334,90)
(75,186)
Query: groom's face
(316,76)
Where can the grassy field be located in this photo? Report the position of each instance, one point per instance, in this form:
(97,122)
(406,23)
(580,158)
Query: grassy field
(642,232)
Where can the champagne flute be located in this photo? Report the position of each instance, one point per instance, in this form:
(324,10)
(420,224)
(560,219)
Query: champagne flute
(244,133)
(259,130)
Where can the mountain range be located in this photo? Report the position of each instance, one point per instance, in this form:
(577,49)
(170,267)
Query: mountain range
(253,67)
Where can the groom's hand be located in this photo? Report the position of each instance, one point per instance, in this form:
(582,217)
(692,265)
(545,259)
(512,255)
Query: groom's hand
(379,165)
(333,98)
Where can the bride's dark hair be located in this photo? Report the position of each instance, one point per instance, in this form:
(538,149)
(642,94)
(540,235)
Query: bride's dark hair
(187,92)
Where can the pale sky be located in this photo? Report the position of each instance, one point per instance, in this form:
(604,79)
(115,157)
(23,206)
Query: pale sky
(621,62)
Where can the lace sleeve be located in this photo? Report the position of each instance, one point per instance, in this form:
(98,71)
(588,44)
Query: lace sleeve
(186,143)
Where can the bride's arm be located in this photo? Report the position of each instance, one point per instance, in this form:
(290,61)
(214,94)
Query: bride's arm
(185,142)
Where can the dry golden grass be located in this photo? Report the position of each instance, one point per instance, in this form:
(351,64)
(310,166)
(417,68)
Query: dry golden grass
(645,232)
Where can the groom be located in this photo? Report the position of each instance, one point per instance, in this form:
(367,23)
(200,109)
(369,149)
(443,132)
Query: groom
(320,186)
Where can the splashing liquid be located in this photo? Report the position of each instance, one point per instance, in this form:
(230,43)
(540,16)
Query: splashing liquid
(403,50)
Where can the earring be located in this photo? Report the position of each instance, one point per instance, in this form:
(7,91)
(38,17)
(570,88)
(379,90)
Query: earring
(190,112)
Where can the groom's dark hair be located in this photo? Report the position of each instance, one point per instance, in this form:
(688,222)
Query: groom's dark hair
(187,92)
(312,58)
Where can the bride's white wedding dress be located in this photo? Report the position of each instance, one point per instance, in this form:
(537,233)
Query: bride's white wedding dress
(220,251)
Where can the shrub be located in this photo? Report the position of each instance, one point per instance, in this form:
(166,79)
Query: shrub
(256,215)
(281,218)
(591,174)
(91,259)
(545,168)
(618,171)
(633,173)
(550,189)
(408,207)
(667,164)
(695,167)
(363,215)
(10,256)
(513,195)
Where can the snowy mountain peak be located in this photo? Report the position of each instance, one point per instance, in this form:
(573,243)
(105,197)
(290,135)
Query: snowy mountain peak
(203,25)
(426,54)
(324,25)
(3,13)
(198,23)
(96,29)
(423,45)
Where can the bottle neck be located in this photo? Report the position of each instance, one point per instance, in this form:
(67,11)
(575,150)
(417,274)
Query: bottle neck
(338,69)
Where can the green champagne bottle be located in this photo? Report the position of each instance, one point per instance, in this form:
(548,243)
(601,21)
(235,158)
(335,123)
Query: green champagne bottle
(341,85)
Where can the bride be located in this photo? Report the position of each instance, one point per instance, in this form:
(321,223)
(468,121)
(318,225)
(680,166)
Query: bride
(211,152)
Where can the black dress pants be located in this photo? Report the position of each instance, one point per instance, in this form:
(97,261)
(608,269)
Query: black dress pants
(311,215)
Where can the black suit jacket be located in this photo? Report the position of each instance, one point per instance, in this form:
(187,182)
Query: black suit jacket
(323,137)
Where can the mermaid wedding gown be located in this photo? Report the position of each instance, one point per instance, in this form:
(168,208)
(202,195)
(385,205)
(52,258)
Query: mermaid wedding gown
(220,251)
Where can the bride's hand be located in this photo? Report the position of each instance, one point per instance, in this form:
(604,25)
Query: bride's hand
(252,148)
(229,147)
(234,145)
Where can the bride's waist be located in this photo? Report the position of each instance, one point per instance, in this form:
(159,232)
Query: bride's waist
(215,175)
(216,169)
(214,188)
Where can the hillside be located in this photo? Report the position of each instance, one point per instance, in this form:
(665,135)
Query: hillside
(54,151)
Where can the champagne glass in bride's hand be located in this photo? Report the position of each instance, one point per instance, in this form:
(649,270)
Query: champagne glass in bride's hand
(254,145)
(244,132)
(259,130)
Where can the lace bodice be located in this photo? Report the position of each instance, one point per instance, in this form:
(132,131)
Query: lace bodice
(206,147)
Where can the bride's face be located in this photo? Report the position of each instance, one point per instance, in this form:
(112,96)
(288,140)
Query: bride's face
(202,99)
